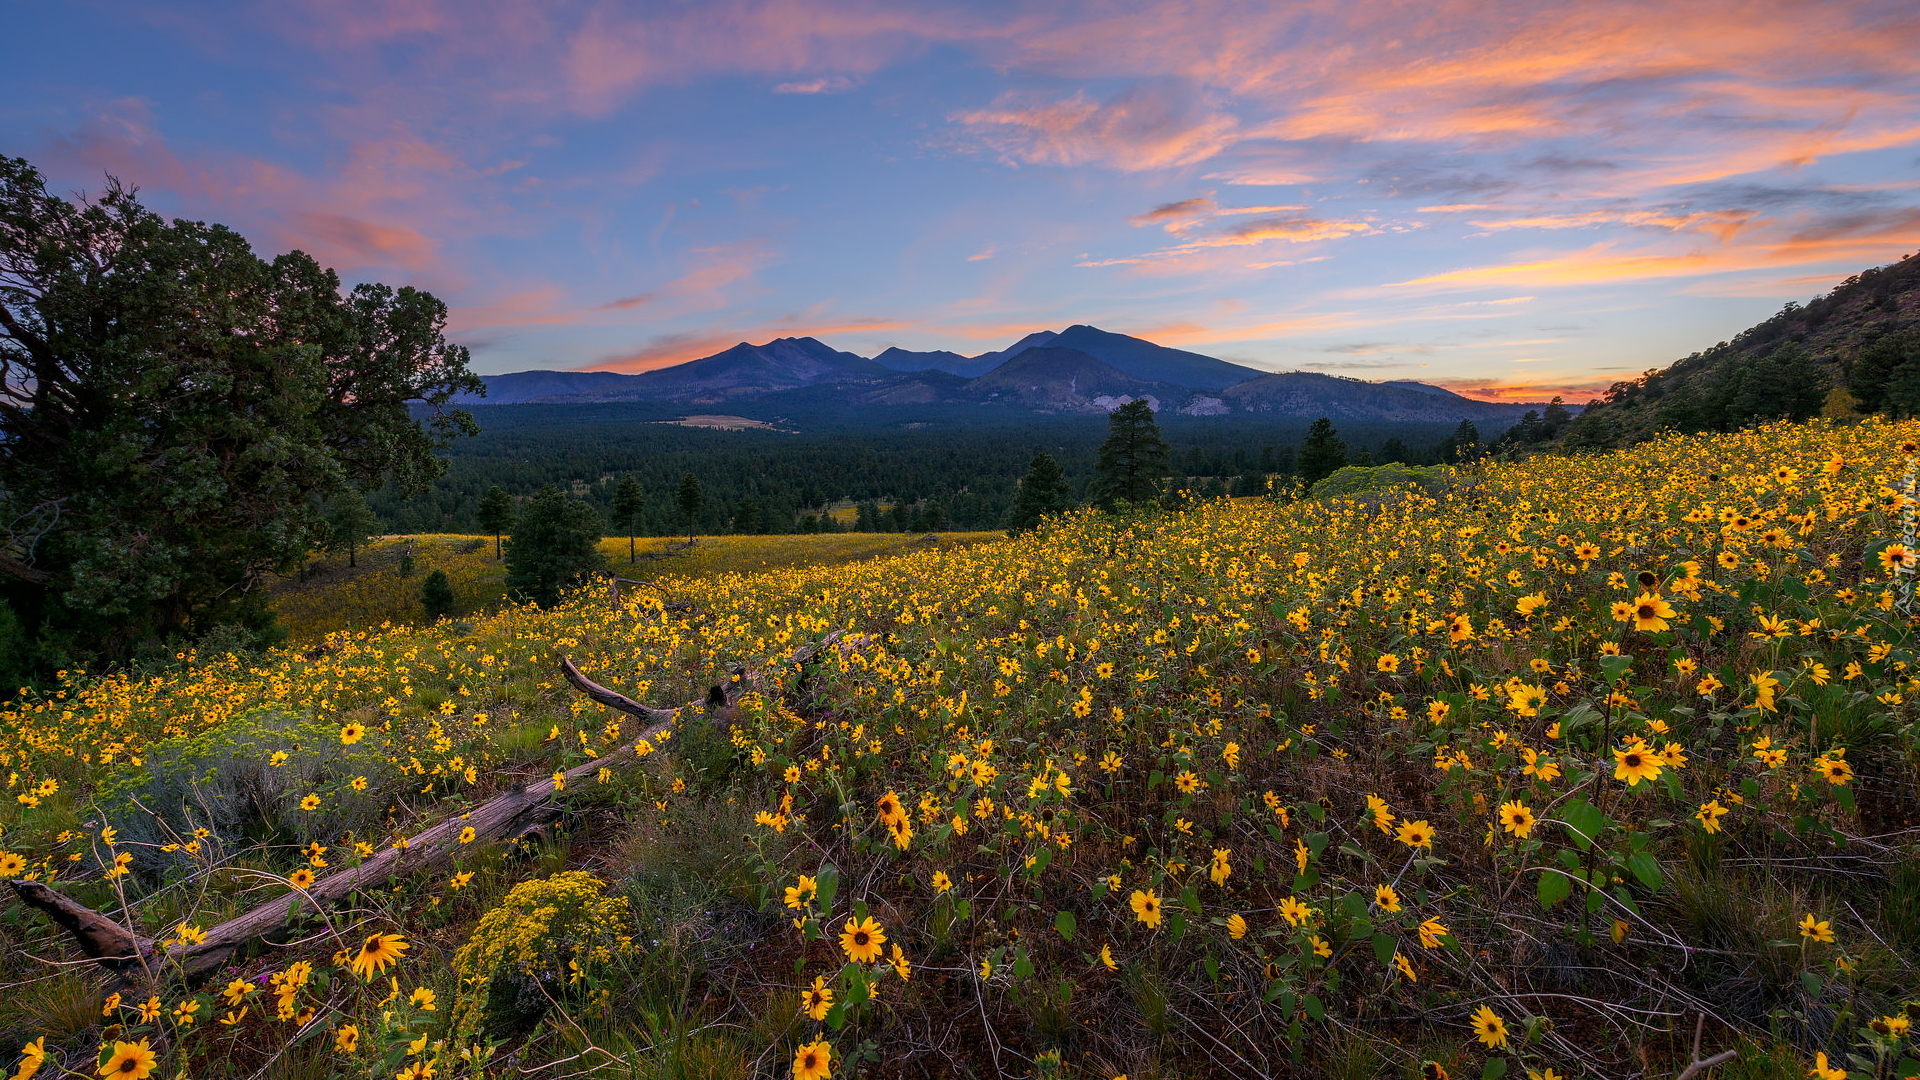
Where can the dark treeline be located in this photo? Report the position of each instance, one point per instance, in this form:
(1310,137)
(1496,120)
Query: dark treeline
(944,476)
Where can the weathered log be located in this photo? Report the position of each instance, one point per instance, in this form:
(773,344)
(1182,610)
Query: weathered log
(507,816)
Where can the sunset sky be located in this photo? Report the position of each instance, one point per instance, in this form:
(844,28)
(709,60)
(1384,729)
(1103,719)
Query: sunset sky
(1518,199)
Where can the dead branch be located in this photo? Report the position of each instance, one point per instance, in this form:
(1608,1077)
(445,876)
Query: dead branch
(1698,1065)
(513,814)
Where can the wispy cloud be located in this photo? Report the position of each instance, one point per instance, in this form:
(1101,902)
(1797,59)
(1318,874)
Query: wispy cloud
(1154,125)
(826,84)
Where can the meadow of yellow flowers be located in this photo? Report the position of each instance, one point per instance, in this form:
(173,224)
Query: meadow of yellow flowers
(1594,766)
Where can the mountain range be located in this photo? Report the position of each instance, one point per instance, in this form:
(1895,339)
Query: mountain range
(1079,370)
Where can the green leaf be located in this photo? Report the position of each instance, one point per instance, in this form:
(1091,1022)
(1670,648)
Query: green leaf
(1554,887)
(1383,948)
(1584,822)
(1066,924)
(1315,1010)
(1190,896)
(1212,967)
(1616,667)
(828,883)
(1022,965)
(1317,843)
(1494,1069)
(1645,867)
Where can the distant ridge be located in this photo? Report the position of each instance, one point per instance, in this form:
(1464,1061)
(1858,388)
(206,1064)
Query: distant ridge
(1080,369)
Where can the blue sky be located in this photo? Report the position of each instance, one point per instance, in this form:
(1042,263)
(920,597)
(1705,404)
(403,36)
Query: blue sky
(1512,200)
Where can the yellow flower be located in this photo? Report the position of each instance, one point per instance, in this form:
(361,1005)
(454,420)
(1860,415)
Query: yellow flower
(1819,930)
(862,938)
(377,953)
(1295,912)
(1651,612)
(310,802)
(422,999)
(817,999)
(1236,926)
(1636,763)
(813,1061)
(32,1056)
(467,834)
(1406,968)
(1431,933)
(1221,867)
(1516,818)
(301,878)
(1823,1071)
(1489,1028)
(1386,898)
(1146,907)
(352,733)
(129,1061)
(347,1039)
(1415,834)
(802,894)
(1709,814)
(941,882)
(1106,957)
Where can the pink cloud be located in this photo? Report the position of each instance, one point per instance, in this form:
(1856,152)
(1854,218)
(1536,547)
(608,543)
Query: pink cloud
(1152,126)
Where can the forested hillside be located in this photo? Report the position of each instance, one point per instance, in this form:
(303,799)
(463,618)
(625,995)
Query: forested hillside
(1862,338)
(946,474)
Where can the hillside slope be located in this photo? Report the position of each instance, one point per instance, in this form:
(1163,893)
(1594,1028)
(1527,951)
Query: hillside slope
(1864,336)
(1274,789)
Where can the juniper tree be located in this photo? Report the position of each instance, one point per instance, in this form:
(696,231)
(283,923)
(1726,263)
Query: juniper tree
(189,407)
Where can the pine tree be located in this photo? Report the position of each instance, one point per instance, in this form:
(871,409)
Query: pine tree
(1464,442)
(556,541)
(1133,460)
(496,515)
(436,595)
(689,498)
(628,503)
(351,522)
(1321,452)
(1043,491)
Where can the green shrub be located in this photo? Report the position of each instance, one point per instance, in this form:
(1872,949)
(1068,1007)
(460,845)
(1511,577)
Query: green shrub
(239,781)
(1359,479)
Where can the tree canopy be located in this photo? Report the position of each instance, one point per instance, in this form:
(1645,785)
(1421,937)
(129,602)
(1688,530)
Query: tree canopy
(174,410)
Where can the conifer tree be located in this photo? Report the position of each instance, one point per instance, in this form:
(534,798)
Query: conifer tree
(436,595)
(628,503)
(496,515)
(690,498)
(556,540)
(1133,460)
(351,522)
(1043,491)
(1322,453)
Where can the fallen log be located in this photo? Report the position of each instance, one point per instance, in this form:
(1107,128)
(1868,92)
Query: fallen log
(118,948)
